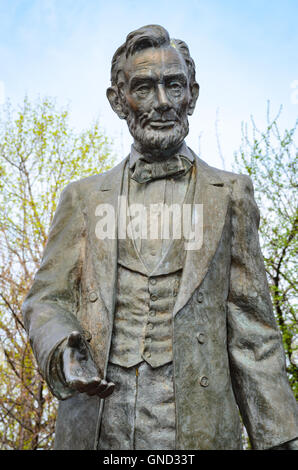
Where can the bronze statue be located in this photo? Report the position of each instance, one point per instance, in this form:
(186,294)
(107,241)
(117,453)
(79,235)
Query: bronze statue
(152,342)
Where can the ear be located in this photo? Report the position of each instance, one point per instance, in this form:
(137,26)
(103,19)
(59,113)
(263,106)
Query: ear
(195,89)
(115,101)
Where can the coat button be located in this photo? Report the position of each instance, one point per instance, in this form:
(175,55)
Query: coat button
(201,338)
(204,381)
(93,296)
(199,297)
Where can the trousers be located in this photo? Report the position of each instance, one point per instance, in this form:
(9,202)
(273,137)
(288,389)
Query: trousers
(140,414)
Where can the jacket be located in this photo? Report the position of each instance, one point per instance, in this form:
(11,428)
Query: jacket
(227,349)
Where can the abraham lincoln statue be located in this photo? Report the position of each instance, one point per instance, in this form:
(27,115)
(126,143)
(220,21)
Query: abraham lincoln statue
(153,342)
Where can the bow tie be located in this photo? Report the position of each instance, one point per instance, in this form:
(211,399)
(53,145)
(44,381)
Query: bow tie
(175,166)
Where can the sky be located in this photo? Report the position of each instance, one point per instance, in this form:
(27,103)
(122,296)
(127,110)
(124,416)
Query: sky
(245,54)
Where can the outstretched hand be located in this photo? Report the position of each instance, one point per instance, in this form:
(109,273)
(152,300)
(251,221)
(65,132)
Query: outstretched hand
(80,371)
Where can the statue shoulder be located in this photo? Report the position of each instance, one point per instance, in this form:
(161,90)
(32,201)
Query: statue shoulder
(85,186)
(239,184)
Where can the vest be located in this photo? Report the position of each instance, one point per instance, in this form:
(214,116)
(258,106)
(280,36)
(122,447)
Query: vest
(145,300)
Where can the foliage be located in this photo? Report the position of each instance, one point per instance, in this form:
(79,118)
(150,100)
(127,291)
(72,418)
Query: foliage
(39,154)
(270,158)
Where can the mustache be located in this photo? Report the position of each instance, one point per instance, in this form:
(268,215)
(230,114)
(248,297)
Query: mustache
(154,116)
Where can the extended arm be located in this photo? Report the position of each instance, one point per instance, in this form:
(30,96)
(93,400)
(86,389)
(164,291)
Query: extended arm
(51,307)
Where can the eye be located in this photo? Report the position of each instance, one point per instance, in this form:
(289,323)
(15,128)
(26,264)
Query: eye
(174,85)
(175,88)
(143,90)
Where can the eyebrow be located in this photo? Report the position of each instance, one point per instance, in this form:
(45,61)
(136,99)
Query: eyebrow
(141,78)
(151,78)
(176,76)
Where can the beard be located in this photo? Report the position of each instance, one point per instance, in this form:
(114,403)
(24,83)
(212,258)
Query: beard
(157,139)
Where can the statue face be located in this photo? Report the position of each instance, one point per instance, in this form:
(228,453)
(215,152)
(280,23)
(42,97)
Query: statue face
(156,97)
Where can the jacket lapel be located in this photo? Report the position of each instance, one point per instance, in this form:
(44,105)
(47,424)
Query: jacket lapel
(105,249)
(211,192)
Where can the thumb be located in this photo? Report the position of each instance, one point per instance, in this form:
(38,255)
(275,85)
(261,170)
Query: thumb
(74,339)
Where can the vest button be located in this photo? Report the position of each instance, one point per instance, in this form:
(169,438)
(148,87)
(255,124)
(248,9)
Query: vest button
(153,282)
(204,381)
(153,297)
(199,297)
(93,296)
(201,338)
(152,313)
(150,326)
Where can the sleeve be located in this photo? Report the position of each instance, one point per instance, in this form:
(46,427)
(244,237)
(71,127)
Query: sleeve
(51,306)
(257,360)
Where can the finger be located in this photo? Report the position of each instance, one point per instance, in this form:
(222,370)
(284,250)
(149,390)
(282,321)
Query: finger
(74,339)
(78,384)
(102,386)
(92,392)
(88,385)
(92,386)
(108,390)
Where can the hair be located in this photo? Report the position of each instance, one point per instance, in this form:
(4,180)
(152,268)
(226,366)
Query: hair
(146,37)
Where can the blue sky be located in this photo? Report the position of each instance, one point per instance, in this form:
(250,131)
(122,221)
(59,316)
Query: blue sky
(245,53)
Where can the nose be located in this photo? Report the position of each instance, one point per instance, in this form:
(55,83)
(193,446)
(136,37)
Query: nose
(162,102)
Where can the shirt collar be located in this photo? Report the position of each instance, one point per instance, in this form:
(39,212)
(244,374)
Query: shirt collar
(183,150)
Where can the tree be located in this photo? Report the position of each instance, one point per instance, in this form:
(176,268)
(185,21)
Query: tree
(270,158)
(39,154)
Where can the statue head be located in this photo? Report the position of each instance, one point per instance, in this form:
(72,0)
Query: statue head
(154,89)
